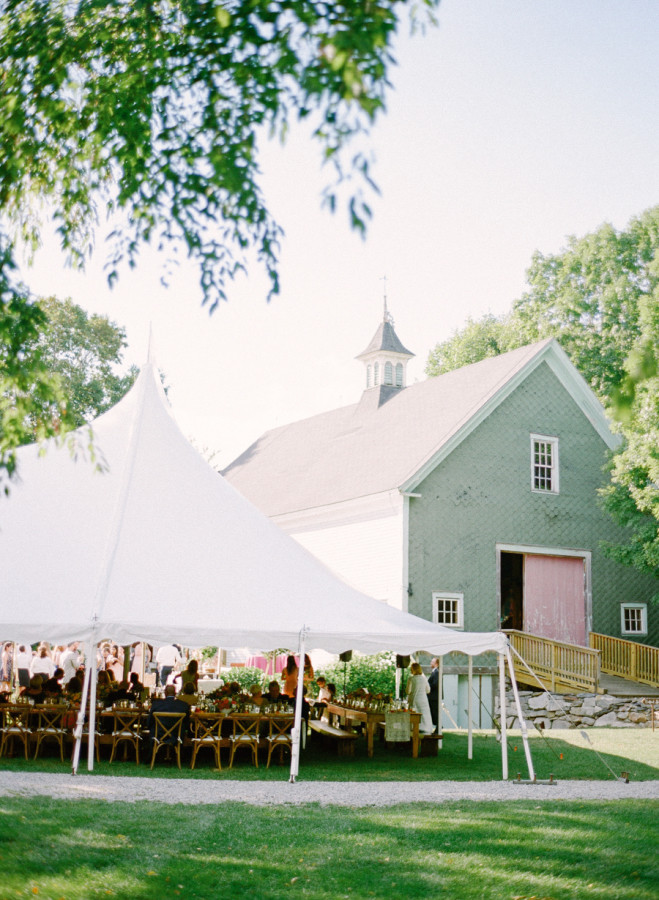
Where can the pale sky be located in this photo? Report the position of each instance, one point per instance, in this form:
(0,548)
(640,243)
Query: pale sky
(510,126)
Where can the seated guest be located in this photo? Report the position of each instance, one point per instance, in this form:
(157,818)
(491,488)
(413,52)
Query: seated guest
(324,696)
(188,694)
(34,691)
(257,695)
(104,685)
(52,687)
(136,689)
(73,687)
(169,704)
(274,694)
(118,692)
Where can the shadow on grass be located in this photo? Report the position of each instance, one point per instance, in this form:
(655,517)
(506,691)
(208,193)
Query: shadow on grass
(82,849)
(564,758)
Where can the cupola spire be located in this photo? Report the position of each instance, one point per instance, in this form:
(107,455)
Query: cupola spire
(385,358)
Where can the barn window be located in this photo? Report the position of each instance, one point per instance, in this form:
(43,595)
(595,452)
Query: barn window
(634,618)
(448,609)
(544,464)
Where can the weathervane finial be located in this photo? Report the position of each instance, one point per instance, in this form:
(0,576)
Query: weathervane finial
(387,315)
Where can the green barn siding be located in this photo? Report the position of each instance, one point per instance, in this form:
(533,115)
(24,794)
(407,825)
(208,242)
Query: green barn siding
(480,495)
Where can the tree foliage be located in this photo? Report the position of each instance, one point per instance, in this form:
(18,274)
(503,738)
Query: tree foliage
(476,340)
(85,353)
(26,382)
(151,111)
(62,370)
(600,298)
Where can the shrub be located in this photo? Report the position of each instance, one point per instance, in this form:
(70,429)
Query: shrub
(375,673)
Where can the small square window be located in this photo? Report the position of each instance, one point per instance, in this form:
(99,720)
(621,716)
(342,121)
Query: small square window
(634,618)
(448,609)
(544,464)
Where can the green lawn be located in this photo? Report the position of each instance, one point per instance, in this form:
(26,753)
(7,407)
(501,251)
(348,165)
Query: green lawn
(564,754)
(76,850)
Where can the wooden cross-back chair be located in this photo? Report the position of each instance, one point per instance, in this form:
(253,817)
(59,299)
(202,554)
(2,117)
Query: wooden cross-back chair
(167,727)
(206,732)
(279,735)
(50,727)
(245,734)
(126,730)
(15,728)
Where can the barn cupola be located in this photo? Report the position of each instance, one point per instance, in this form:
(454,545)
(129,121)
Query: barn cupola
(385,360)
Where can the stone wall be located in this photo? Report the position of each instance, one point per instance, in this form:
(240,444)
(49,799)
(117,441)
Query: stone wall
(556,711)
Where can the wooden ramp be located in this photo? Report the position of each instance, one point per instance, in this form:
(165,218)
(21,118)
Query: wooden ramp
(610,665)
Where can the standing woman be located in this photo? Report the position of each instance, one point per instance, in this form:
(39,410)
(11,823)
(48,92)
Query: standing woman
(290,677)
(7,667)
(417,695)
(190,675)
(42,664)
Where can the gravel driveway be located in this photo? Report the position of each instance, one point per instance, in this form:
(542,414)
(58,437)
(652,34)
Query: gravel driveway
(387,793)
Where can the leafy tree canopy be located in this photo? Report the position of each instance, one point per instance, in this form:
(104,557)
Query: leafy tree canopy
(150,112)
(85,354)
(66,373)
(600,298)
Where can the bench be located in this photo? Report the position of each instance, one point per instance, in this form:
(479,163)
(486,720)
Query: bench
(345,740)
(429,744)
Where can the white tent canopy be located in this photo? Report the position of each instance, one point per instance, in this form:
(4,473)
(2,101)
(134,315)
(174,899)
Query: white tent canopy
(159,547)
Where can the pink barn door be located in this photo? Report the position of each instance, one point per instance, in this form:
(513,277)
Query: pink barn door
(554,598)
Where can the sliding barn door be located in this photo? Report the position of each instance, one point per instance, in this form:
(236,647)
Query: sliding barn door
(554,598)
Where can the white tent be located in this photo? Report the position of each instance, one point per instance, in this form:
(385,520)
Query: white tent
(141,540)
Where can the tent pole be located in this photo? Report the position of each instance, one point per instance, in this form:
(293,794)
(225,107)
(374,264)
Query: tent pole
(92,707)
(81,719)
(470,730)
(440,696)
(502,717)
(522,721)
(297,725)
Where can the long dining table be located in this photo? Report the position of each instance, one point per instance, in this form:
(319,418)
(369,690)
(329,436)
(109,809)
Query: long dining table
(372,719)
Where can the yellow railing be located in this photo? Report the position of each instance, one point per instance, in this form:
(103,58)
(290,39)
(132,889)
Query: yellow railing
(627,659)
(560,667)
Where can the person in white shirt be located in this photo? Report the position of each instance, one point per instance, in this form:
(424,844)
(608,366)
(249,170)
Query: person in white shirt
(42,664)
(167,658)
(23,662)
(69,662)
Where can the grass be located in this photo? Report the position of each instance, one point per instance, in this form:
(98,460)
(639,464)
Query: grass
(78,850)
(568,756)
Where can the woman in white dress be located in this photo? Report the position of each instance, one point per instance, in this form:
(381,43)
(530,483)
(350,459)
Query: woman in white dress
(417,696)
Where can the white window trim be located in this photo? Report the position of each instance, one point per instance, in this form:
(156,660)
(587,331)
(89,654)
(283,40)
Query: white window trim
(644,618)
(449,595)
(547,439)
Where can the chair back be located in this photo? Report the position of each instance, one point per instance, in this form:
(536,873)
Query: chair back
(167,727)
(50,717)
(280,728)
(206,727)
(16,718)
(126,720)
(245,728)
